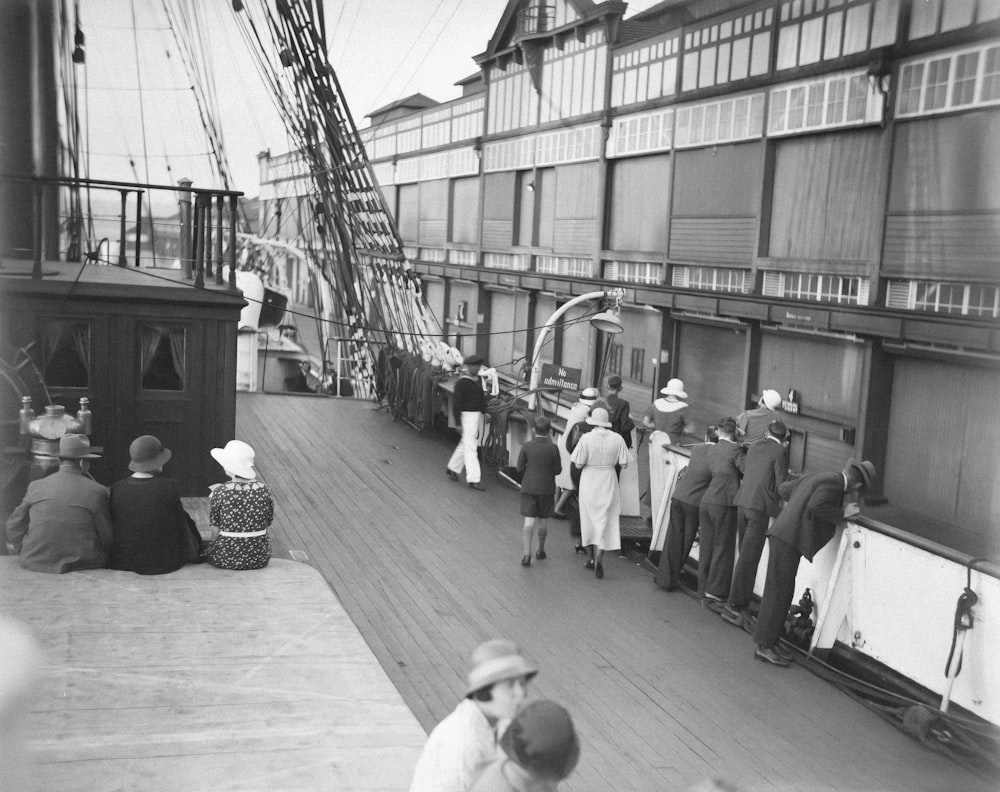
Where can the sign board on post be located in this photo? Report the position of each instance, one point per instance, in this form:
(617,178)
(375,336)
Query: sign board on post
(552,376)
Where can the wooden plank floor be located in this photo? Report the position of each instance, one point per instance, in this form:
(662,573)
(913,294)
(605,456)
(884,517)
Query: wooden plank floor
(204,680)
(663,692)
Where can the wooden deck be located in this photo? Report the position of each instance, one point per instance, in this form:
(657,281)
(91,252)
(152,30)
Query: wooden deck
(203,680)
(663,692)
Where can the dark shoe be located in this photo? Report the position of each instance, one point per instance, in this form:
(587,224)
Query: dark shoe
(540,555)
(589,564)
(452,474)
(733,616)
(781,651)
(749,624)
(580,548)
(599,572)
(477,486)
(526,561)
(768,655)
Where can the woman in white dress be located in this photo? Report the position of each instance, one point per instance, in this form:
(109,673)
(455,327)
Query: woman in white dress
(596,455)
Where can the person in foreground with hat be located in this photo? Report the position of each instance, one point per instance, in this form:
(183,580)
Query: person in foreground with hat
(468,406)
(465,742)
(63,523)
(817,503)
(541,750)
(596,456)
(241,510)
(751,425)
(538,464)
(578,412)
(667,420)
(153,534)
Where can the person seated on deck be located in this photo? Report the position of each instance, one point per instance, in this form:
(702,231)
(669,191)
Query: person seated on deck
(541,750)
(464,743)
(153,534)
(241,510)
(64,522)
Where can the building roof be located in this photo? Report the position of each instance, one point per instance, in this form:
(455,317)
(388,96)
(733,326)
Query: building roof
(415,101)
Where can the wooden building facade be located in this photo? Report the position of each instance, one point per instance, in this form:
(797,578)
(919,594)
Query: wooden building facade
(799,194)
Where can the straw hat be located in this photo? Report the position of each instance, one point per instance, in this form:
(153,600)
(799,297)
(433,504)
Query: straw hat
(236,458)
(589,395)
(541,739)
(675,387)
(599,417)
(147,454)
(495,661)
(75,446)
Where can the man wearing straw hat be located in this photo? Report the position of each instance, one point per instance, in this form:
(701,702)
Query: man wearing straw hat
(464,743)
(64,522)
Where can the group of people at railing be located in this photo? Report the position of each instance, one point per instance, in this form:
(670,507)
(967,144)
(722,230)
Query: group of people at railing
(68,521)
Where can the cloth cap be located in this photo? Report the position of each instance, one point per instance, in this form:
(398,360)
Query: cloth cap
(675,387)
(778,429)
(237,458)
(866,470)
(494,661)
(542,425)
(474,360)
(590,395)
(599,417)
(614,381)
(76,446)
(147,454)
(541,739)
(771,399)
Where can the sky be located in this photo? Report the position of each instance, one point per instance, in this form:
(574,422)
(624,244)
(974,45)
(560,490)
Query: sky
(382,50)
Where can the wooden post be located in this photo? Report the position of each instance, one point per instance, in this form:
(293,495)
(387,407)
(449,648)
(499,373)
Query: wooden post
(232,241)
(138,226)
(208,236)
(199,242)
(219,211)
(122,260)
(184,207)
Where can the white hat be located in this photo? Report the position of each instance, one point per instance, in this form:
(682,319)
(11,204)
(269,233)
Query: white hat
(599,417)
(495,661)
(236,458)
(589,395)
(675,387)
(771,399)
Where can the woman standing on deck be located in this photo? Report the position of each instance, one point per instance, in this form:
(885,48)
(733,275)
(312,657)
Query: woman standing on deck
(596,455)
(667,418)
(241,510)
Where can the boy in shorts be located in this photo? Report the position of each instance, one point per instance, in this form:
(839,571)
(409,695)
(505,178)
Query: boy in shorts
(537,467)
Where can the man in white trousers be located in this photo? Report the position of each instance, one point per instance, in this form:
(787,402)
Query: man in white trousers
(469,405)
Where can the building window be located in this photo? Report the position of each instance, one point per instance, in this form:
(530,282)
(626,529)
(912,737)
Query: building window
(163,357)
(637,365)
(810,32)
(722,52)
(66,346)
(939,83)
(615,359)
(962,299)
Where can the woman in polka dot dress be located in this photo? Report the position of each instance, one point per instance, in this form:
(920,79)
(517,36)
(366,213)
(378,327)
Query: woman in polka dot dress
(241,510)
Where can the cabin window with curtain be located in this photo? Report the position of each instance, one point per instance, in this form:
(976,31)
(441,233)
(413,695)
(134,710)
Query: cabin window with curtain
(162,356)
(66,349)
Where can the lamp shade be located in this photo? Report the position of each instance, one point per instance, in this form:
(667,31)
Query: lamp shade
(607,322)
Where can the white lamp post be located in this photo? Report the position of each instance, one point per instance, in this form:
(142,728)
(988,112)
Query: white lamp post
(606,321)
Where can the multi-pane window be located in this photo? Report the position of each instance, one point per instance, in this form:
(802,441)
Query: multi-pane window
(725,51)
(641,133)
(810,31)
(637,365)
(723,121)
(941,82)
(645,73)
(721,279)
(842,289)
(930,17)
(956,298)
(633,271)
(615,359)
(826,103)
(573,78)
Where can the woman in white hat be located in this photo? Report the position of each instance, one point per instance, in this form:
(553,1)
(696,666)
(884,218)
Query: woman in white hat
(580,410)
(464,743)
(596,455)
(241,510)
(667,418)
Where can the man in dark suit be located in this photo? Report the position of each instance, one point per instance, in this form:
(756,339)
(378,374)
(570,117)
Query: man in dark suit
(684,504)
(717,516)
(817,503)
(538,464)
(757,502)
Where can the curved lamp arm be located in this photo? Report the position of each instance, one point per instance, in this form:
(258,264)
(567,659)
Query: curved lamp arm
(536,365)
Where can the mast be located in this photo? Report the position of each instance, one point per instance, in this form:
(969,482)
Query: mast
(29,127)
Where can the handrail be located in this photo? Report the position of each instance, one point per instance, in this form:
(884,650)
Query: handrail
(196,233)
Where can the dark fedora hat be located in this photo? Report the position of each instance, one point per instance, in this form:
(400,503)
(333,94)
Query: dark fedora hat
(865,469)
(147,454)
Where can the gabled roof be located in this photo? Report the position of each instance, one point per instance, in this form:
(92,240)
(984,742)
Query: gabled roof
(415,101)
(506,30)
